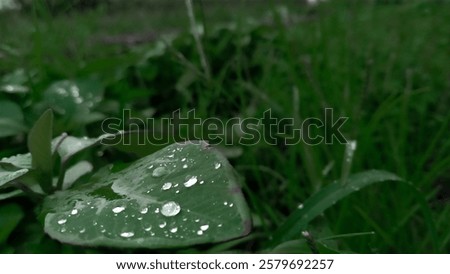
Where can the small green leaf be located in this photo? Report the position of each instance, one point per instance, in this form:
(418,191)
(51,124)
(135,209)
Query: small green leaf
(75,172)
(75,100)
(19,161)
(325,198)
(11,119)
(182,195)
(70,145)
(11,194)
(10,216)
(7,175)
(15,82)
(39,145)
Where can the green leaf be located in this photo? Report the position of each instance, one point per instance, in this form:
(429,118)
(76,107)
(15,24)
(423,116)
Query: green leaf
(19,161)
(8,175)
(182,195)
(70,145)
(15,82)
(75,172)
(39,145)
(11,194)
(10,216)
(75,100)
(11,119)
(39,142)
(325,198)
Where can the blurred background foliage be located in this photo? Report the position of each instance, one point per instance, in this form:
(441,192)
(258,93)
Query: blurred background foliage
(383,64)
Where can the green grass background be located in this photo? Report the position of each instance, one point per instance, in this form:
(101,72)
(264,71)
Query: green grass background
(383,64)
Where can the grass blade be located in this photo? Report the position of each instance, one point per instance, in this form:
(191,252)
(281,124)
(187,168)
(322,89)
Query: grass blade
(324,199)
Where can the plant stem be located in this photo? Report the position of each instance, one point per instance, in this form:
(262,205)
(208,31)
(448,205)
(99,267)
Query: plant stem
(198,43)
(28,191)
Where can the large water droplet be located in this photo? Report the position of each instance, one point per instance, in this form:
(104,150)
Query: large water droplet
(127,234)
(62,221)
(192,181)
(159,171)
(118,209)
(170,209)
(166,186)
(204,227)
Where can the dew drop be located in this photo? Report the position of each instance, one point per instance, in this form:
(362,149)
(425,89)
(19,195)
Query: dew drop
(144,210)
(148,228)
(140,218)
(231,205)
(184,159)
(197,220)
(118,209)
(62,221)
(159,171)
(127,234)
(225,203)
(300,206)
(83,230)
(170,209)
(74,212)
(219,225)
(200,232)
(204,227)
(185,166)
(166,186)
(201,182)
(217,165)
(174,230)
(192,181)
(163,225)
(150,167)
(157,210)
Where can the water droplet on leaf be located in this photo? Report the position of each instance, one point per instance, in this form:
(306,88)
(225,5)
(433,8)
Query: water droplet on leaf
(170,209)
(192,181)
(166,186)
(62,221)
(118,209)
(127,234)
(159,171)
